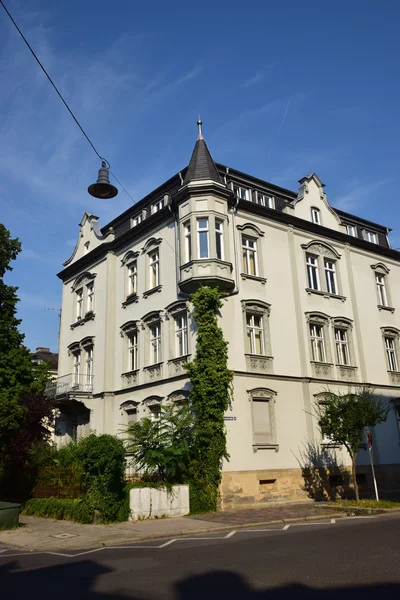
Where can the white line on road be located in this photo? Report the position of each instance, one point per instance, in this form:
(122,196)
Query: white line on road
(333,521)
(286,527)
(230,534)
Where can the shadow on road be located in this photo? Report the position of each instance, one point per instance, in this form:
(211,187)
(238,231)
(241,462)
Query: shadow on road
(76,581)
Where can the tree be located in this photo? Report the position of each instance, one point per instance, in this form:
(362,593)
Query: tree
(209,398)
(343,417)
(20,379)
(161,448)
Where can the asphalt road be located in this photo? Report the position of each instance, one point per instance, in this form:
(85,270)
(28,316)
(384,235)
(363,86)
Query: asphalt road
(350,559)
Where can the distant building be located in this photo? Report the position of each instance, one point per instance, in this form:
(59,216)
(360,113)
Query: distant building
(43,355)
(313,301)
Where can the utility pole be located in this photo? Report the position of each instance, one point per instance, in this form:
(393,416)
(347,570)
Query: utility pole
(58,310)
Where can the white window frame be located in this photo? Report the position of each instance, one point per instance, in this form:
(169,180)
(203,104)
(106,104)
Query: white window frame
(380,281)
(76,369)
(132,278)
(265,200)
(90,297)
(313,270)
(370,236)
(89,363)
(317,339)
(247,251)
(351,230)
(155,343)
(316,215)
(157,206)
(154,268)
(330,276)
(241,192)
(251,333)
(219,239)
(187,233)
(391,353)
(79,304)
(133,349)
(342,346)
(181,335)
(203,231)
(136,220)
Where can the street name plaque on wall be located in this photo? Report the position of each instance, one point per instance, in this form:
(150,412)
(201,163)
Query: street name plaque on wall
(229,418)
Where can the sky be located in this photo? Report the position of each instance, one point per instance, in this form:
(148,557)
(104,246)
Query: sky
(283,88)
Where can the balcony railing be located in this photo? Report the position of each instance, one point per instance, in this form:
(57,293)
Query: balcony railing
(69,384)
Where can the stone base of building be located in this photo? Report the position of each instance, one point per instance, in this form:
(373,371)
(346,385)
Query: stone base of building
(239,488)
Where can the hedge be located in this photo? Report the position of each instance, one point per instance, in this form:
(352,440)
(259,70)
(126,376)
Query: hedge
(60,508)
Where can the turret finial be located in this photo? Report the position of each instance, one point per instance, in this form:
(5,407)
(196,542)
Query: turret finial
(200,124)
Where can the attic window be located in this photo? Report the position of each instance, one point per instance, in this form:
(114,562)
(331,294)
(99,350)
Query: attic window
(315,216)
(265,200)
(241,192)
(157,205)
(351,230)
(370,236)
(136,220)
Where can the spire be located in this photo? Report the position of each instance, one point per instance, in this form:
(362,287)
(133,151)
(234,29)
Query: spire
(201,164)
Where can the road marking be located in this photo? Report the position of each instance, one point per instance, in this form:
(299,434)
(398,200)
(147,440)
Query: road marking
(134,546)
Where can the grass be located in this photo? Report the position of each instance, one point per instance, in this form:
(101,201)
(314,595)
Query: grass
(366,503)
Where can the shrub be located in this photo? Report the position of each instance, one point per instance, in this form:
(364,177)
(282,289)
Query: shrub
(60,508)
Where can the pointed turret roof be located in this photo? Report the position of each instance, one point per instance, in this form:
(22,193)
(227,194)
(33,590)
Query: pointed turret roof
(201,166)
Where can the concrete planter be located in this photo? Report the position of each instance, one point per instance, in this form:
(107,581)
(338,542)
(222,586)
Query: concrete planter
(9,515)
(151,503)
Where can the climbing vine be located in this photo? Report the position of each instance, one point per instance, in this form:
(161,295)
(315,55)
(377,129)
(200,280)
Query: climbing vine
(210,396)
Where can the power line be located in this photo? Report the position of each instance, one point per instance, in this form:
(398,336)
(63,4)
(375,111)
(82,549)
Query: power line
(61,97)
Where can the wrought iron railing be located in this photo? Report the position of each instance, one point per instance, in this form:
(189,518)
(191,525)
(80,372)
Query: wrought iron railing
(69,384)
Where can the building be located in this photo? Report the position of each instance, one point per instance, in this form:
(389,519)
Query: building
(43,355)
(313,302)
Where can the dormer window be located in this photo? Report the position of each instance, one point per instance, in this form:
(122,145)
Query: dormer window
(315,216)
(370,236)
(241,192)
(265,200)
(351,230)
(136,220)
(157,206)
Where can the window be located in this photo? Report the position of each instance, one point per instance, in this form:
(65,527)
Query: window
(391,353)
(317,343)
(351,230)
(312,272)
(89,363)
(155,412)
(79,304)
(136,220)
(219,239)
(76,367)
(133,350)
(370,236)
(241,192)
(255,334)
(202,238)
(263,418)
(89,297)
(154,269)
(87,247)
(188,241)
(330,276)
(132,279)
(342,347)
(315,216)
(381,289)
(155,343)
(264,200)
(157,206)
(181,336)
(249,248)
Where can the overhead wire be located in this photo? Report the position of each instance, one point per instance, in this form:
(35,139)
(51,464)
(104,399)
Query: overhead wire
(69,109)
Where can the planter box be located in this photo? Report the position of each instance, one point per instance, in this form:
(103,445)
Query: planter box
(9,515)
(149,503)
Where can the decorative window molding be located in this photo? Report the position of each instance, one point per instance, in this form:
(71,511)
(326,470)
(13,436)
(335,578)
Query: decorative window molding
(129,256)
(130,332)
(250,229)
(257,336)
(152,405)
(319,346)
(344,348)
(81,356)
(151,243)
(391,344)
(322,273)
(379,266)
(321,248)
(83,279)
(84,290)
(325,441)
(381,273)
(262,401)
(153,348)
(129,410)
(179,397)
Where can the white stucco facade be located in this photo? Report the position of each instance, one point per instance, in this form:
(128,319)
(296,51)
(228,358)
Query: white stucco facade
(292,277)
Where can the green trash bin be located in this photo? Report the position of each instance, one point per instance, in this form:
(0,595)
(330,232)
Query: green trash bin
(9,515)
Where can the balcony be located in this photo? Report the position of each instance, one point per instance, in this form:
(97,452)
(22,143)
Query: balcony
(70,385)
(206,271)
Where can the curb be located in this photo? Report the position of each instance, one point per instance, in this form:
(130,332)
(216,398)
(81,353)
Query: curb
(182,533)
(362,510)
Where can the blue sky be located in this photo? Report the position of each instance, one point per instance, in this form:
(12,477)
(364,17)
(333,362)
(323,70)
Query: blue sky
(283,89)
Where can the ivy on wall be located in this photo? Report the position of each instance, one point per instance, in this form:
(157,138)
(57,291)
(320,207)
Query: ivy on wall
(210,396)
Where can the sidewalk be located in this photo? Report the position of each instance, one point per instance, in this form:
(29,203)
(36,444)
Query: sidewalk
(37,534)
